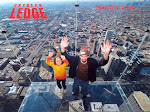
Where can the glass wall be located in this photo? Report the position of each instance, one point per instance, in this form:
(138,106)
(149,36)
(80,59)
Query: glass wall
(28,33)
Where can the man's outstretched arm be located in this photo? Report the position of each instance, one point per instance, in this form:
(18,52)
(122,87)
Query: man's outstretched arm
(63,45)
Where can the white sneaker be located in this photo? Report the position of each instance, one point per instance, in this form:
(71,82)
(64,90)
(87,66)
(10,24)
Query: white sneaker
(59,90)
(73,94)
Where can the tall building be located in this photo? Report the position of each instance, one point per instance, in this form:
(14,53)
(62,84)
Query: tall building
(31,71)
(3,63)
(44,65)
(114,67)
(113,63)
(108,35)
(99,48)
(127,44)
(94,46)
(9,96)
(139,102)
(135,69)
(111,108)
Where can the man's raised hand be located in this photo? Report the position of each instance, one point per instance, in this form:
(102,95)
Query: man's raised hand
(106,47)
(64,43)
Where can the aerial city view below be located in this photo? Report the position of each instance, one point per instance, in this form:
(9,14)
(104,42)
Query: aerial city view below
(74,55)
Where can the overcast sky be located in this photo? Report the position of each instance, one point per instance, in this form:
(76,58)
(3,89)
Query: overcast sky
(8,1)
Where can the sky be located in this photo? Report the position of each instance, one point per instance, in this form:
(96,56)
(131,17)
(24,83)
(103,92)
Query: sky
(2,1)
(28,1)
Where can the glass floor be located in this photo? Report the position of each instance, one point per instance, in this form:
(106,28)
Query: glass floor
(44,97)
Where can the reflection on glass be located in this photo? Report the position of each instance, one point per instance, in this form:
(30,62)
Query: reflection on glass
(25,44)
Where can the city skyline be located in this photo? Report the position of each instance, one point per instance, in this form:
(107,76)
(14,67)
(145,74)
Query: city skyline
(25,78)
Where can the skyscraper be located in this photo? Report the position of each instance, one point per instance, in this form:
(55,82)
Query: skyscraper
(108,35)
(139,101)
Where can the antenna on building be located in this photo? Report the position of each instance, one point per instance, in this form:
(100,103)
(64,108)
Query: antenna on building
(76,30)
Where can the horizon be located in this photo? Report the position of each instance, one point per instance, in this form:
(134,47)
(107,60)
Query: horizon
(18,1)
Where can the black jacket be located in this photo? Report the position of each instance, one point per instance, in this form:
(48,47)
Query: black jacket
(92,65)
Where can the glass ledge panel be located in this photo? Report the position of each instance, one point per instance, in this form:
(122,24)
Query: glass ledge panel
(44,96)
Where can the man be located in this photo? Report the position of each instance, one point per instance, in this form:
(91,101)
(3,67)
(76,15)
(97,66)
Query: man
(82,67)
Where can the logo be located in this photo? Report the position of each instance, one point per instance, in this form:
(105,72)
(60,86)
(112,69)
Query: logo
(27,11)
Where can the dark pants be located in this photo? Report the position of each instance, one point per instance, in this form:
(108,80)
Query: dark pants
(84,87)
(63,83)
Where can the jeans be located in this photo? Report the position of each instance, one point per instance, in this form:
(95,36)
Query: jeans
(84,87)
(63,83)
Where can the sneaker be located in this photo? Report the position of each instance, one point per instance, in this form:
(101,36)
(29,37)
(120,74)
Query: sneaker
(59,90)
(73,94)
